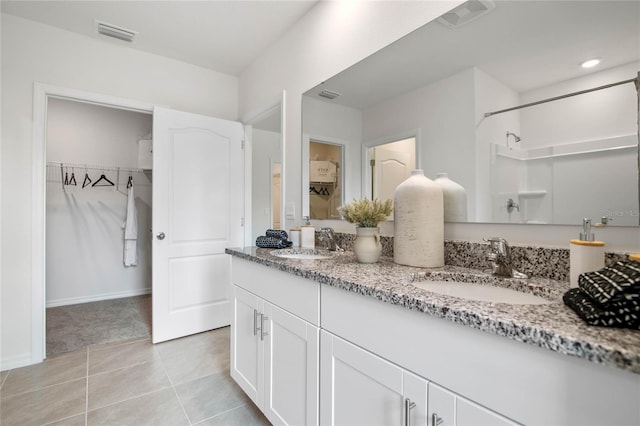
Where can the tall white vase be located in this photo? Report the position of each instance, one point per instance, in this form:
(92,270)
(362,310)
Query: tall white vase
(454,197)
(418,217)
(367,246)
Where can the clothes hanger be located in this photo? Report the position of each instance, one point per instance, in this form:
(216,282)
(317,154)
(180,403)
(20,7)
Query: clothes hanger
(103,178)
(130,182)
(87,179)
(72,181)
(66,178)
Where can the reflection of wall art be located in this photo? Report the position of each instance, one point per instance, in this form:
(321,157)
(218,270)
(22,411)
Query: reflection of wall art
(322,171)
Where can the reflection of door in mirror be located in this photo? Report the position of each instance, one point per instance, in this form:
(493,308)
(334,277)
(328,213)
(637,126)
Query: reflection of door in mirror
(325,195)
(275,194)
(391,164)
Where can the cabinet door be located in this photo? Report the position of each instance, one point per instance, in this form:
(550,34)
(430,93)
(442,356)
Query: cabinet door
(246,347)
(291,368)
(451,409)
(415,399)
(357,387)
(470,414)
(442,406)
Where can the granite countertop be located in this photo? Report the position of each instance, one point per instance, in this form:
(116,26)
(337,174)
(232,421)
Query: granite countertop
(552,326)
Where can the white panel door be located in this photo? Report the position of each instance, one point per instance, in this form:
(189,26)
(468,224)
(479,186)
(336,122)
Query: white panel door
(197,211)
(357,387)
(291,368)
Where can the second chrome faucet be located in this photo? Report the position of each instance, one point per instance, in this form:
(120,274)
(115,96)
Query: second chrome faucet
(499,256)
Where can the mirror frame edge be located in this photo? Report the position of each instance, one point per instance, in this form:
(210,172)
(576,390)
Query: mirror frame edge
(250,118)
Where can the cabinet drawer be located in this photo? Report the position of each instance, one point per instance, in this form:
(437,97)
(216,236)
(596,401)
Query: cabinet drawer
(297,295)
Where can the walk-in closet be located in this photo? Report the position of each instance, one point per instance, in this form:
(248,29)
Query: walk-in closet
(98,220)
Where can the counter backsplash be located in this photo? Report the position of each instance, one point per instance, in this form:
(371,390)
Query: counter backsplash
(546,262)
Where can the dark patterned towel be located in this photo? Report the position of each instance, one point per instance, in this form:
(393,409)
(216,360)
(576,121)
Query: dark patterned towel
(277,233)
(272,242)
(624,314)
(615,283)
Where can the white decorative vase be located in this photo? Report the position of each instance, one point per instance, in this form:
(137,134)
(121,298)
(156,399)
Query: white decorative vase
(418,217)
(367,246)
(454,197)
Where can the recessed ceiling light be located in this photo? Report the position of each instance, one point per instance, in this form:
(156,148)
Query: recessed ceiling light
(590,63)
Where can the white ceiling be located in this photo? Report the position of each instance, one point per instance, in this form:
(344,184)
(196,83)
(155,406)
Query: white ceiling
(225,36)
(524,44)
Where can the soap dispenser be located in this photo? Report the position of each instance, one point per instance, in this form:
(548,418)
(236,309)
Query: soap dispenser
(585,254)
(307,234)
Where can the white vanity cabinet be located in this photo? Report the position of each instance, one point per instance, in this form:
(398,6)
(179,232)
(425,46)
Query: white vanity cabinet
(274,352)
(367,362)
(360,388)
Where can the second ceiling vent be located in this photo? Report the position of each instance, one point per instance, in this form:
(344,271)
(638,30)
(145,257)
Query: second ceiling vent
(114,31)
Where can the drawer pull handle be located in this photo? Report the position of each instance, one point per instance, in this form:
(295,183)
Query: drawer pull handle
(408,405)
(255,322)
(435,420)
(262,332)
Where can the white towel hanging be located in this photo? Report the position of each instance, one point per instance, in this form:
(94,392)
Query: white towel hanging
(131,231)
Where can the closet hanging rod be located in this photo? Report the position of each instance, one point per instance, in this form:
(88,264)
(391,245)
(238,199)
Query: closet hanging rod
(568,95)
(95,167)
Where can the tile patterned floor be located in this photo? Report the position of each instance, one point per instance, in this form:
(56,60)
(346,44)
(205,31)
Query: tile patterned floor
(181,382)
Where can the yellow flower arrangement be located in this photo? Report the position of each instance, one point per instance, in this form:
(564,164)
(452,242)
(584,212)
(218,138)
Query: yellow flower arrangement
(367,213)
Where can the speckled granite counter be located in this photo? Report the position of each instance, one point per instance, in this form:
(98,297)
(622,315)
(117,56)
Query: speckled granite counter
(551,326)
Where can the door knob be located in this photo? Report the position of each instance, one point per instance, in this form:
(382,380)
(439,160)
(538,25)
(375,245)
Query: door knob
(160,235)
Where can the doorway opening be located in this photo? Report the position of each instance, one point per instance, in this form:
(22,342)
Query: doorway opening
(98,192)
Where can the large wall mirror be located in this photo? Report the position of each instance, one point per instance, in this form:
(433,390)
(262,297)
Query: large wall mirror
(448,83)
(265,136)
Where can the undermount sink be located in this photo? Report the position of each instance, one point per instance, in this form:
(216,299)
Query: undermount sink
(481,292)
(302,253)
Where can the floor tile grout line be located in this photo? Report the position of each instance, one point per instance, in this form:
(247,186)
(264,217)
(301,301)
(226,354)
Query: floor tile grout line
(96,347)
(220,414)
(173,386)
(42,388)
(129,399)
(137,364)
(5,379)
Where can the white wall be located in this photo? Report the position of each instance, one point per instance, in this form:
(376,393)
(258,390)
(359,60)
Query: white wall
(32,52)
(84,253)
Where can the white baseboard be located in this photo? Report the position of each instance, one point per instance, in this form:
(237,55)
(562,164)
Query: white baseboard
(15,362)
(97,297)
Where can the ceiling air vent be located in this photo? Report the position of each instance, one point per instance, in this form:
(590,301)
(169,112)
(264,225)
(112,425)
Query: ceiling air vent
(115,32)
(466,12)
(328,94)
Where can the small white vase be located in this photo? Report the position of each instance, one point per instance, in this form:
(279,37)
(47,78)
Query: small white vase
(455,199)
(367,246)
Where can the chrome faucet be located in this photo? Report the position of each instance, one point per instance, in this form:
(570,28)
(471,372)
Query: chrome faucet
(500,257)
(328,237)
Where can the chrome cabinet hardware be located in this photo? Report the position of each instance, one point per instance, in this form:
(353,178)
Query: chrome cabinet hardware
(262,332)
(160,235)
(255,322)
(408,405)
(435,420)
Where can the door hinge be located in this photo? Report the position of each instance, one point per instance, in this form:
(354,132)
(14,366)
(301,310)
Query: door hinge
(242,144)
(242,221)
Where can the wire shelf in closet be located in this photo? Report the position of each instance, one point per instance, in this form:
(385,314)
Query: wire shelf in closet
(87,176)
